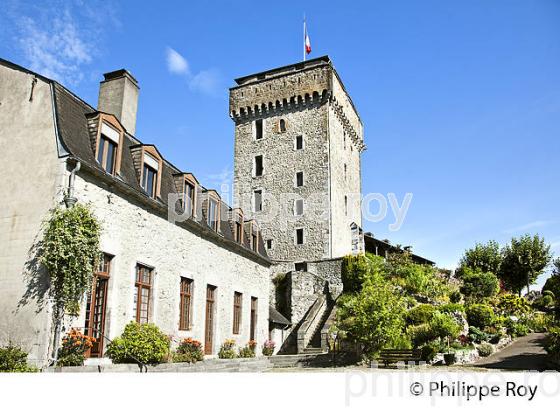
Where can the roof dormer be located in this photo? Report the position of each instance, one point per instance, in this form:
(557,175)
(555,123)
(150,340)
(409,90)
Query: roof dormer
(148,163)
(106,136)
(187,187)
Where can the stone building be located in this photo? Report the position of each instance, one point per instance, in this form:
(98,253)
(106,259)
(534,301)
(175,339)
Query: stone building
(203,273)
(298,141)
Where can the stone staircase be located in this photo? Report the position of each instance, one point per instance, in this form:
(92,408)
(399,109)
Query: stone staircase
(311,336)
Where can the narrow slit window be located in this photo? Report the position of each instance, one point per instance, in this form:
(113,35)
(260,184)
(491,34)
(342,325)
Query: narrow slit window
(299,236)
(298,207)
(282,125)
(299,179)
(257,200)
(299,142)
(258,129)
(258,165)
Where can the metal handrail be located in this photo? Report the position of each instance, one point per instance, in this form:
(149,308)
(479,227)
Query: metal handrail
(143,366)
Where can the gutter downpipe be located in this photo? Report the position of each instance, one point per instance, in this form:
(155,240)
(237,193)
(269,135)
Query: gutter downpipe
(69,199)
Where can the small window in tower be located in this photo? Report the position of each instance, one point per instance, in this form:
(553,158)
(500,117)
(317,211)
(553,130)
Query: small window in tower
(345,205)
(300,266)
(269,244)
(345,169)
(257,200)
(299,179)
(258,166)
(258,129)
(299,142)
(282,125)
(344,140)
(298,207)
(299,236)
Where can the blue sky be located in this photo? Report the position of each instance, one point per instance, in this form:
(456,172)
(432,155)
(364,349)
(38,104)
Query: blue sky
(460,99)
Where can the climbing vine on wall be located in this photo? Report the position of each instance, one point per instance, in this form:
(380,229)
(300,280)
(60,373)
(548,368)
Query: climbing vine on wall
(70,253)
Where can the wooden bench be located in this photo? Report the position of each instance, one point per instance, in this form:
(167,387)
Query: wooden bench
(399,355)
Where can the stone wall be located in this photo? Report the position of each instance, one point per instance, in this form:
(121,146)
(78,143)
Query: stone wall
(135,234)
(30,184)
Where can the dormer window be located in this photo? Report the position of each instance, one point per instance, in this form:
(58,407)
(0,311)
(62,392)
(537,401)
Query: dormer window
(238,225)
(254,237)
(188,198)
(107,147)
(150,175)
(213,214)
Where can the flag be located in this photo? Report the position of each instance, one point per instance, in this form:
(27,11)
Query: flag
(307,43)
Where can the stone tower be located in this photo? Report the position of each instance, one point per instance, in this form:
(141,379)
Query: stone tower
(298,141)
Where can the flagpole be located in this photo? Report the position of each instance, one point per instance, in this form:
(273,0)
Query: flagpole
(304,34)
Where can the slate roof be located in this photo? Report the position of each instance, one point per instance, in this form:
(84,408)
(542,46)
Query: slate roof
(276,317)
(72,113)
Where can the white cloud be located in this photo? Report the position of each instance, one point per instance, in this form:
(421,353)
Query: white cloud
(60,41)
(205,81)
(176,63)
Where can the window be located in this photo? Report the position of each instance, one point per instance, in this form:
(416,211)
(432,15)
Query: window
(237,303)
(185,307)
(299,236)
(142,293)
(188,198)
(258,129)
(345,205)
(282,125)
(258,166)
(298,207)
(238,231)
(300,266)
(107,148)
(213,214)
(345,169)
(255,240)
(299,142)
(257,200)
(345,140)
(299,178)
(253,328)
(269,244)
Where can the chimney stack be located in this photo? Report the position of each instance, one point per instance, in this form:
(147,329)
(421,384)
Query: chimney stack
(118,95)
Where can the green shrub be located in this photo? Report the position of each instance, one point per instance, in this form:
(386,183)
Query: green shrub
(420,314)
(480,315)
(512,305)
(249,350)
(538,322)
(429,351)
(479,285)
(485,349)
(553,341)
(227,350)
(401,342)
(190,351)
(420,334)
(451,308)
(477,336)
(515,328)
(139,342)
(455,297)
(444,326)
(74,347)
(13,359)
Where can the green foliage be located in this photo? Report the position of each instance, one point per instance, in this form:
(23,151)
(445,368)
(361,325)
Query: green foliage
(478,285)
(455,297)
(451,308)
(480,315)
(525,259)
(139,342)
(373,317)
(539,322)
(189,350)
(420,334)
(420,314)
(552,284)
(13,359)
(553,342)
(444,326)
(356,268)
(227,350)
(483,257)
(70,254)
(429,350)
(515,328)
(509,305)
(74,347)
(485,349)
(477,336)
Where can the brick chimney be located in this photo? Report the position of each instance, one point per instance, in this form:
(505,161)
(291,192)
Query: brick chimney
(118,95)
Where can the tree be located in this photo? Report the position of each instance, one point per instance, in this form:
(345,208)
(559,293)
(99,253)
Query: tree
(478,285)
(552,284)
(374,316)
(524,260)
(484,257)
